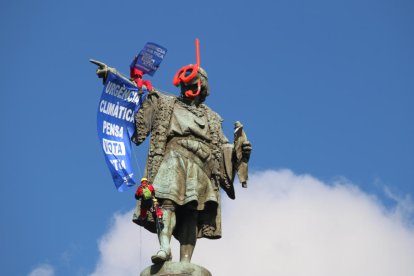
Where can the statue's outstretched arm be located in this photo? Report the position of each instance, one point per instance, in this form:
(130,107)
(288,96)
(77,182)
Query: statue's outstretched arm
(103,69)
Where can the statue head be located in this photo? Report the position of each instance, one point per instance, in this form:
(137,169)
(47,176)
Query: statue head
(193,82)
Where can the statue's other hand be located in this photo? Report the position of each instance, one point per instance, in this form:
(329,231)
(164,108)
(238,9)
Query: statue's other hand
(246,149)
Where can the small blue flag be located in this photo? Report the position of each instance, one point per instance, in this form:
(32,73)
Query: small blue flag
(119,102)
(150,58)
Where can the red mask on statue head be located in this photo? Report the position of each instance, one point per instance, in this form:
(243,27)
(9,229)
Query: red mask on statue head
(186,77)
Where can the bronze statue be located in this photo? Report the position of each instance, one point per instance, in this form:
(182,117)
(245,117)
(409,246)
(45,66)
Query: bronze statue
(189,159)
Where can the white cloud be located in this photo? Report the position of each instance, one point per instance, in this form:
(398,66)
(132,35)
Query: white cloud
(121,248)
(284,224)
(43,270)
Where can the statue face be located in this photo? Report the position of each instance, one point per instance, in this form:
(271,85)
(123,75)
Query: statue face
(200,98)
(193,86)
(192,80)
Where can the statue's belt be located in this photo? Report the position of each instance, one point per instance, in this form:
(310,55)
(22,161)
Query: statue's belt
(195,150)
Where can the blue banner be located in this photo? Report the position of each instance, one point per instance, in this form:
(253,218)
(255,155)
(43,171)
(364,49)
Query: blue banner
(119,102)
(150,58)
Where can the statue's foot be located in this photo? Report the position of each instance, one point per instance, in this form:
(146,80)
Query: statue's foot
(161,257)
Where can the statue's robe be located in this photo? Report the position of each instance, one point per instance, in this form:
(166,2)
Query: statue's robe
(189,159)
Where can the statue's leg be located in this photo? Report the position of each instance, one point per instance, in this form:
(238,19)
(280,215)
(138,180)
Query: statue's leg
(169,220)
(188,237)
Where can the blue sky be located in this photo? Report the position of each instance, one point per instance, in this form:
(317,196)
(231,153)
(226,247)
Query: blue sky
(323,88)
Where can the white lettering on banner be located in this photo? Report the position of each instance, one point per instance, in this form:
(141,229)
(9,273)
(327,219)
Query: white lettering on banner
(148,61)
(113,147)
(157,52)
(112,129)
(128,177)
(157,49)
(117,111)
(118,164)
(122,92)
